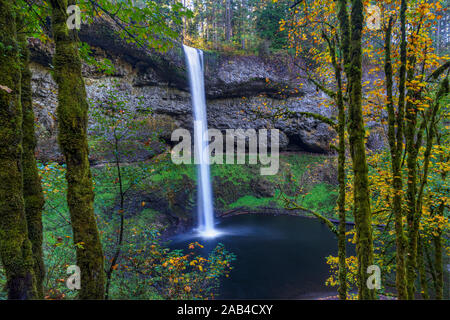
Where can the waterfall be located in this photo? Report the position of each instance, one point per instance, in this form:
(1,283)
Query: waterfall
(194,61)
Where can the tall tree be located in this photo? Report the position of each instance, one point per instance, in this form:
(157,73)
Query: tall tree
(362,212)
(268,19)
(342,242)
(228,20)
(437,237)
(32,190)
(395,138)
(72,136)
(340,127)
(15,247)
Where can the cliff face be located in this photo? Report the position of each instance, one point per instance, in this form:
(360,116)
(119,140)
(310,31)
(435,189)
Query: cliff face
(235,85)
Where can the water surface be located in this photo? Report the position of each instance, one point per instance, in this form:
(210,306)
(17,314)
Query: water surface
(278,257)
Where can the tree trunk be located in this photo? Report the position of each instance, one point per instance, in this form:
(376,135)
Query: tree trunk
(32,190)
(396,149)
(116,255)
(15,247)
(184,32)
(356,130)
(422,271)
(72,136)
(411,192)
(431,119)
(439,289)
(214,27)
(228,17)
(342,242)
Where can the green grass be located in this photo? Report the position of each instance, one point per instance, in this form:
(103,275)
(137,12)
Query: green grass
(168,172)
(321,198)
(249,201)
(299,163)
(146,217)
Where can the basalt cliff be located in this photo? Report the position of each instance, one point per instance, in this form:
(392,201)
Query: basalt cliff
(235,87)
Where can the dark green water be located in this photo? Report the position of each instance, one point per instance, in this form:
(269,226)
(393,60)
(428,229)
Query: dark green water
(278,257)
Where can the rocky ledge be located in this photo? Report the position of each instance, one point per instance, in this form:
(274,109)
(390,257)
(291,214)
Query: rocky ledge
(235,86)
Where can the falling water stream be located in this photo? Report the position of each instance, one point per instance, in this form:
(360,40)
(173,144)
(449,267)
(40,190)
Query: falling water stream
(194,61)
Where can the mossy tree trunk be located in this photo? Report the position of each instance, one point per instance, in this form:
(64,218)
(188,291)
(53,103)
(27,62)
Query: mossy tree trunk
(344,45)
(342,242)
(415,191)
(395,138)
(431,135)
(408,125)
(339,99)
(362,211)
(72,124)
(422,271)
(15,247)
(437,238)
(412,214)
(439,286)
(32,190)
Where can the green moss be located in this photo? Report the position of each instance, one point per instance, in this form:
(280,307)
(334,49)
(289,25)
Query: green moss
(15,247)
(249,201)
(169,173)
(32,191)
(72,137)
(321,198)
(362,210)
(145,217)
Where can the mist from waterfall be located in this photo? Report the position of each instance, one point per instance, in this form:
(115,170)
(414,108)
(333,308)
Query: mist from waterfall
(194,61)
